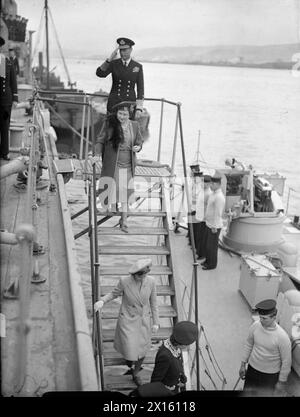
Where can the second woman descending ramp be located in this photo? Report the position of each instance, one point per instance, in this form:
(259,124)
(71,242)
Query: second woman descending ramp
(133,330)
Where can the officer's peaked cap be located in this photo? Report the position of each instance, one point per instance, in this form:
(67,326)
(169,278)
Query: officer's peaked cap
(216,178)
(266,307)
(125,43)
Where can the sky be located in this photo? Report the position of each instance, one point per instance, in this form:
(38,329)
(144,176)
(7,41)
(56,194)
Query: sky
(92,26)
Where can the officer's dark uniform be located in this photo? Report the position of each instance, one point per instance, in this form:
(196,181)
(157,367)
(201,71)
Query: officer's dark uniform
(14,60)
(8,94)
(124,80)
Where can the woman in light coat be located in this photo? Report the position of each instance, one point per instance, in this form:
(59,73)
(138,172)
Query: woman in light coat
(133,330)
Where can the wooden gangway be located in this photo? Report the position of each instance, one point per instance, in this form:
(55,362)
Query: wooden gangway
(158,226)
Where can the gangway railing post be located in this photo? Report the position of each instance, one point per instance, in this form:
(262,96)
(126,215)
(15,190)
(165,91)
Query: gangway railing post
(82,128)
(174,145)
(160,129)
(91,240)
(26,242)
(195,263)
(96,265)
(88,131)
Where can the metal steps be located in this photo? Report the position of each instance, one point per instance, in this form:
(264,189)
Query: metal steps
(163,333)
(162,290)
(165,288)
(133,231)
(133,250)
(113,358)
(147,194)
(163,311)
(123,270)
(139,213)
(121,383)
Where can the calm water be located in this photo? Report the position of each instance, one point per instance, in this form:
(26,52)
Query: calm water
(250,114)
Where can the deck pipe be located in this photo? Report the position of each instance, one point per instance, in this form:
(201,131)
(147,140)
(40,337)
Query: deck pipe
(23,232)
(8,238)
(19,164)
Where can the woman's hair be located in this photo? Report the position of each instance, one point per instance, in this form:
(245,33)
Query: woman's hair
(117,136)
(173,341)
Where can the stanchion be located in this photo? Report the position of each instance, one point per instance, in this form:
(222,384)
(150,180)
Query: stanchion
(36,277)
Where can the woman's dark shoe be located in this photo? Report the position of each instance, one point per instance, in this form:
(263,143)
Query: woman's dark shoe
(5,157)
(123,226)
(206,268)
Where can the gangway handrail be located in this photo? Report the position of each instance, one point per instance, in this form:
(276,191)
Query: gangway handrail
(72,93)
(26,264)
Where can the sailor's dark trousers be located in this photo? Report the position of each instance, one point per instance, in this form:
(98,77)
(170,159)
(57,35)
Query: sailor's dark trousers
(211,253)
(259,383)
(5,111)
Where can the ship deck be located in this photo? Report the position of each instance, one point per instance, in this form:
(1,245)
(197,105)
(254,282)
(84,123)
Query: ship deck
(53,361)
(223,311)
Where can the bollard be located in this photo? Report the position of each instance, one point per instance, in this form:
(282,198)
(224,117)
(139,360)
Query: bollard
(36,278)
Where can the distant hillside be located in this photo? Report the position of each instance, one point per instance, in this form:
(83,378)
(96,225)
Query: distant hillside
(229,54)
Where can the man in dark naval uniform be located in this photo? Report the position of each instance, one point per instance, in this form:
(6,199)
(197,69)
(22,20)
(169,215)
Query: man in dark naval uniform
(13,58)
(8,97)
(126,74)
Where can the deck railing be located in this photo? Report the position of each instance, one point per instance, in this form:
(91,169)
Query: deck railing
(26,267)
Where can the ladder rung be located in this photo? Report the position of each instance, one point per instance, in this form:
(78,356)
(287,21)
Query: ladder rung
(133,231)
(133,250)
(121,383)
(148,194)
(132,213)
(163,333)
(163,311)
(112,357)
(123,270)
(162,290)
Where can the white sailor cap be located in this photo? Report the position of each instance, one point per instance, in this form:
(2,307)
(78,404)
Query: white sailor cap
(140,265)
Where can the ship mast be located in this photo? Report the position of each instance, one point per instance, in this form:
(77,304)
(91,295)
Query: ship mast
(198,148)
(47,43)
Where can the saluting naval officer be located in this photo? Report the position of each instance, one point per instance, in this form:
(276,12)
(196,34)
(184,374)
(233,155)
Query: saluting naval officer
(127,75)
(8,98)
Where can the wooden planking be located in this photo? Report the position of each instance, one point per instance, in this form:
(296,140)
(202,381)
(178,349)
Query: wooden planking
(133,250)
(133,231)
(112,357)
(163,311)
(123,270)
(123,382)
(138,213)
(148,171)
(162,290)
(163,333)
(147,194)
